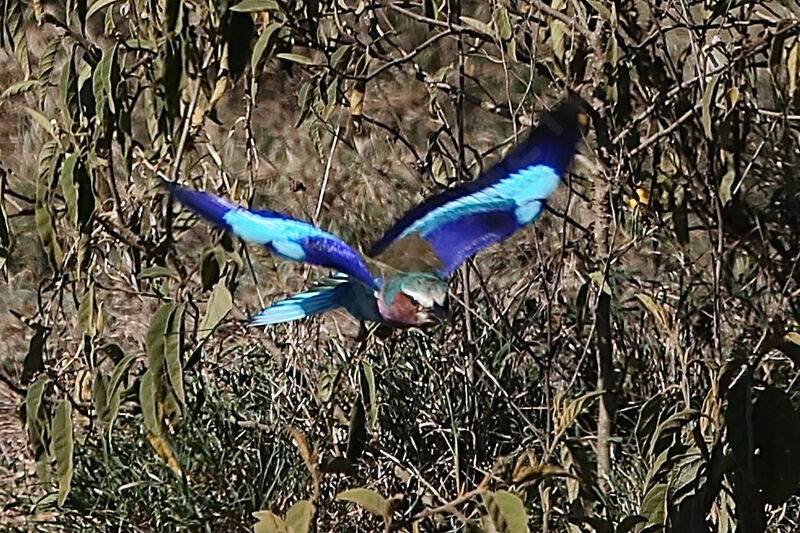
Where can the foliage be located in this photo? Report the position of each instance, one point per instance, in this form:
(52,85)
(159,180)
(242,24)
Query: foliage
(630,364)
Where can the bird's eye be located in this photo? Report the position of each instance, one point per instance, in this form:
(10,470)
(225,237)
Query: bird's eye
(412,300)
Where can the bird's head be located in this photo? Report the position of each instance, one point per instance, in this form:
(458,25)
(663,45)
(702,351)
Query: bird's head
(413,299)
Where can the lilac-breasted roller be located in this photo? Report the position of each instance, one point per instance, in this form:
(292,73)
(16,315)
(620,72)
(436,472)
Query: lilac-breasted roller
(405,282)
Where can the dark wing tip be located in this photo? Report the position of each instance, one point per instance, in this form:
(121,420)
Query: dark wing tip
(554,140)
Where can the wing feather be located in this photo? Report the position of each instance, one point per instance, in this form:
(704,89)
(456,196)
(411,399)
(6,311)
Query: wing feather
(461,221)
(285,236)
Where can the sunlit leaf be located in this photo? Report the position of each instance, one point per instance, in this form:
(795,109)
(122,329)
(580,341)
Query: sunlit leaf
(87,313)
(368,392)
(62,448)
(156,337)
(148,402)
(269,522)
(157,271)
(298,517)
(20,87)
(68,87)
(219,305)
(172,353)
(369,499)
(477,25)
(249,6)
(34,414)
(506,511)
(101,83)
(264,45)
(339,57)
(100,397)
(97,5)
(654,504)
(295,58)
(708,101)
(163,448)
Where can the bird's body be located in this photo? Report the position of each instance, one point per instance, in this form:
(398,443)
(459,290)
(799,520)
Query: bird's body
(406,284)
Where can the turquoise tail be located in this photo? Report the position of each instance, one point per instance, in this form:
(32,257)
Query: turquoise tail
(323,297)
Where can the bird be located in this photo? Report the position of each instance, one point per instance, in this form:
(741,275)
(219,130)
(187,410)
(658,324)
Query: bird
(402,281)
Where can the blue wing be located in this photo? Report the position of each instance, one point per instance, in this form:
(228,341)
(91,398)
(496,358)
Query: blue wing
(461,221)
(285,236)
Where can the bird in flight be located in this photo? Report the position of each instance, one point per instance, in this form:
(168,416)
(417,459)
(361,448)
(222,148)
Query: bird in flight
(402,282)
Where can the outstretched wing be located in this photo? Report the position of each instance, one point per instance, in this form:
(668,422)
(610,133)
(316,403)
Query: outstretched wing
(461,221)
(285,236)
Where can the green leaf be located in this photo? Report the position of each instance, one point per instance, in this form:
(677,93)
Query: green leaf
(629,522)
(34,415)
(298,517)
(211,264)
(42,120)
(558,37)
(19,87)
(478,25)
(5,232)
(649,417)
(366,498)
(148,389)
(654,504)
(250,6)
(369,393)
(303,99)
(219,305)
(340,56)
(114,388)
(68,89)
(264,45)
(725,186)
(357,433)
(98,5)
(100,397)
(157,271)
(48,59)
(708,100)
(68,187)
(87,313)
(269,522)
(172,353)
(48,160)
(120,371)
(506,511)
(779,37)
(156,337)
(62,447)
(503,22)
(602,10)
(34,360)
(14,28)
(101,83)
(296,58)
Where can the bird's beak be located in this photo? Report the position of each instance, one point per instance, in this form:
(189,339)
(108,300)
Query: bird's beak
(439,312)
